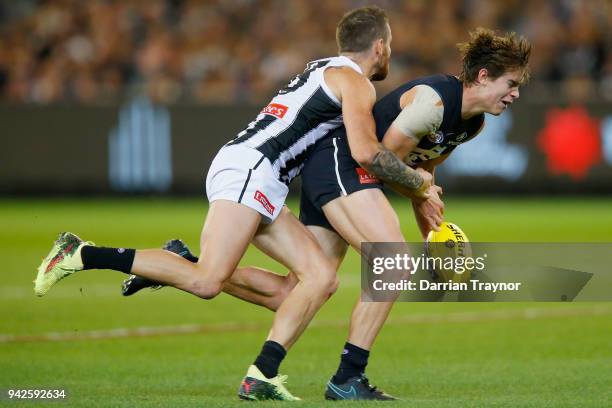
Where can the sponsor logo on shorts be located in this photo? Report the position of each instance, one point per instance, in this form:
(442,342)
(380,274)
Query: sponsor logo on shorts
(275,109)
(365,177)
(263,200)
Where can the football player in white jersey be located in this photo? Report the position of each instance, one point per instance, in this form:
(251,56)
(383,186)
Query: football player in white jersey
(246,189)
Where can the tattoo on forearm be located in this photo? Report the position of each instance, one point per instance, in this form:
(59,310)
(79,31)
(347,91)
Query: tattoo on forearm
(388,167)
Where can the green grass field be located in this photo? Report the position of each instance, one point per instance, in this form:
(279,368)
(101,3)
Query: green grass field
(430,354)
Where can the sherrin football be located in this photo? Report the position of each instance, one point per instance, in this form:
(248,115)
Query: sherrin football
(448,248)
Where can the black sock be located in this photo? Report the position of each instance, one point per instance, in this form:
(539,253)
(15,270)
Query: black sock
(352,363)
(191,258)
(118,259)
(270,358)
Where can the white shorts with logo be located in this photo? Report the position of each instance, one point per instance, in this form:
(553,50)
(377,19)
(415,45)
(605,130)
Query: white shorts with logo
(244,175)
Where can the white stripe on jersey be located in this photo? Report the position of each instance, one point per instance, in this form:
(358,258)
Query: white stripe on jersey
(302,144)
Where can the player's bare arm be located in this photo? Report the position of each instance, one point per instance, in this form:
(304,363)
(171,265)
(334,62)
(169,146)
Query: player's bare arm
(429,214)
(422,112)
(390,168)
(358,96)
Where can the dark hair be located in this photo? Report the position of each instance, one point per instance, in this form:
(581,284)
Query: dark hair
(498,54)
(359,28)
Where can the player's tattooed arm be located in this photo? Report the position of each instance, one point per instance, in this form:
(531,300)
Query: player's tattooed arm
(358,96)
(388,167)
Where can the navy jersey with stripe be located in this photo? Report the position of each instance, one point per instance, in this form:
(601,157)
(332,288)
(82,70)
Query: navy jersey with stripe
(452,131)
(302,113)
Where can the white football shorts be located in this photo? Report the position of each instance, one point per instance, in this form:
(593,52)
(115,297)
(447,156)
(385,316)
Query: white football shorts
(243,175)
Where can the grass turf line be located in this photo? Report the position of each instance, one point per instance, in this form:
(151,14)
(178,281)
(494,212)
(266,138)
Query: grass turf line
(548,361)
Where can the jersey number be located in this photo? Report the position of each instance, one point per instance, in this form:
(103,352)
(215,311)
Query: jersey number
(301,79)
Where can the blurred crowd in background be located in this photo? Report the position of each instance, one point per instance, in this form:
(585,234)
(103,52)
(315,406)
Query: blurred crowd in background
(241,51)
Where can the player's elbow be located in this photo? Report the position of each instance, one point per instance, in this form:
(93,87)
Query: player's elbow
(365,157)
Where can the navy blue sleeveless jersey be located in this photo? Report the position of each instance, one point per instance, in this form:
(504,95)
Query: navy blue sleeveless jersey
(452,131)
(330,171)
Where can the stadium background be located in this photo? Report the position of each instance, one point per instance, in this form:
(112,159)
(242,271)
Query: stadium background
(111,111)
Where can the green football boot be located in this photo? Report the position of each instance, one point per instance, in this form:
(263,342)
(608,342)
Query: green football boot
(64,259)
(256,387)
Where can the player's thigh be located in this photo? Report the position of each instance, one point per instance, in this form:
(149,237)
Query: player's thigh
(364,216)
(289,242)
(222,247)
(337,193)
(244,192)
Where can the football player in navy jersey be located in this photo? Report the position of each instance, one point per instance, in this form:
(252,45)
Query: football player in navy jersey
(247,187)
(342,204)
(422,122)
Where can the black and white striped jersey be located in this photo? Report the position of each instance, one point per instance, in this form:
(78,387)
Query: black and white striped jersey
(302,113)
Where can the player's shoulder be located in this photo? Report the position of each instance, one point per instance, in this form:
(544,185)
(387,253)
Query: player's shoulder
(421,94)
(344,70)
(447,86)
(441,83)
(331,63)
(439,79)
(345,73)
(444,90)
(345,79)
(343,61)
(343,64)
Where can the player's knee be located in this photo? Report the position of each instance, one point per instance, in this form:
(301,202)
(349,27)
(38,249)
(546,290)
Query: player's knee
(288,285)
(206,289)
(274,302)
(324,281)
(326,287)
(333,286)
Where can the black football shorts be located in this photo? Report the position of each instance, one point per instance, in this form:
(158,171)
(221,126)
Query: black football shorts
(330,172)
